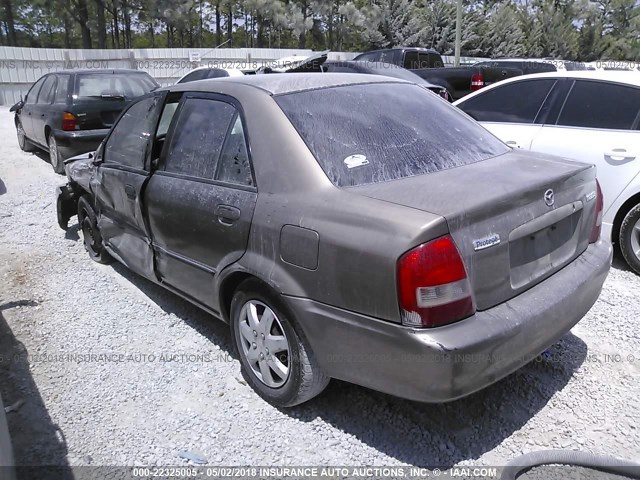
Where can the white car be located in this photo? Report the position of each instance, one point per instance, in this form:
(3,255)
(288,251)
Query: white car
(201,73)
(589,116)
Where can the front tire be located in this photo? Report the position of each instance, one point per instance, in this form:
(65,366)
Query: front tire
(274,354)
(90,234)
(55,157)
(23,142)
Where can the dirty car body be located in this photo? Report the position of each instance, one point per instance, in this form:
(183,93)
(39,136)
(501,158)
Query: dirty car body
(410,253)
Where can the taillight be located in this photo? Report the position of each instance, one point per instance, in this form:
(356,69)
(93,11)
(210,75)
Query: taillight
(597,223)
(433,288)
(477,81)
(69,121)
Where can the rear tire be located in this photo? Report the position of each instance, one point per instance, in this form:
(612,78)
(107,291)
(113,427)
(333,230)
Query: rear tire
(55,157)
(23,142)
(290,351)
(629,238)
(92,239)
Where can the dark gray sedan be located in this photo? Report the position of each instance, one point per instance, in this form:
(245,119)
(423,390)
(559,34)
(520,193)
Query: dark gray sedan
(346,226)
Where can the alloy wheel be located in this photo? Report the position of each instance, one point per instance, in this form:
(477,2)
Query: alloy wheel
(635,239)
(264,343)
(53,152)
(22,138)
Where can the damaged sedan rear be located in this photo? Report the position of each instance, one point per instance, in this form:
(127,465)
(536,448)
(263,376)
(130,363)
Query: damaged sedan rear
(346,227)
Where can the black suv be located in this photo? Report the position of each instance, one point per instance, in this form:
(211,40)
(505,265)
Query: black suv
(69,112)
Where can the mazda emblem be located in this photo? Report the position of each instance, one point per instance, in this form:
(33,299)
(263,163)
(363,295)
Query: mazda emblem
(548,197)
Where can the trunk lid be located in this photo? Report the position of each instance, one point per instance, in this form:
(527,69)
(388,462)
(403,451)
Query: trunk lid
(509,237)
(98,113)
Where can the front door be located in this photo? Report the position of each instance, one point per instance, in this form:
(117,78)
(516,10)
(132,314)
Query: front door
(119,180)
(200,201)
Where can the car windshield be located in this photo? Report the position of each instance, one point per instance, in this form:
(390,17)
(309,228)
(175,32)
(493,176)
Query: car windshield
(371,133)
(128,85)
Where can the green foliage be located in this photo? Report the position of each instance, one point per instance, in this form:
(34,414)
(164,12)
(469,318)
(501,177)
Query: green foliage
(570,29)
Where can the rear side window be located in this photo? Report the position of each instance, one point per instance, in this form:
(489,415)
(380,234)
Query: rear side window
(517,102)
(199,136)
(128,85)
(217,73)
(601,105)
(195,75)
(370,133)
(234,166)
(129,141)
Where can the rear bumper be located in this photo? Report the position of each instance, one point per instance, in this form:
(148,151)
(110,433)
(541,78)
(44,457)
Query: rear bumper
(446,363)
(76,142)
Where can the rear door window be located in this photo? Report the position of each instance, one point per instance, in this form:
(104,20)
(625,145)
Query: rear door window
(62,89)
(47,92)
(234,166)
(198,137)
(516,102)
(602,105)
(370,133)
(195,75)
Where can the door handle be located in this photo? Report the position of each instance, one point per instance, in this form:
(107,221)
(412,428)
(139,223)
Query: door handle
(512,144)
(619,155)
(227,214)
(130,191)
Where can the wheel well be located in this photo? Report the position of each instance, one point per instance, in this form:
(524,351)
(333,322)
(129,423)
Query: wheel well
(622,212)
(47,129)
(229,287)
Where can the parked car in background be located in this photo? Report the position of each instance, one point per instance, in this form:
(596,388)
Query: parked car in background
(202,73)
(593,117)
(319,63)
(530,66)
(69,112)
(369,260)
(428,65)
(386,69)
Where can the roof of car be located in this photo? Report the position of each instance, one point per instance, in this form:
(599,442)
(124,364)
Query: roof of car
(281,83)
(101,70)
(629,78)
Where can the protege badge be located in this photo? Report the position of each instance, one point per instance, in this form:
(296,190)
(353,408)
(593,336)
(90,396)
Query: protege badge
(486,242)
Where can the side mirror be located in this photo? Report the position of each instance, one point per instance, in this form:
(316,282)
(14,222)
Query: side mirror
(17,106)
(97,155)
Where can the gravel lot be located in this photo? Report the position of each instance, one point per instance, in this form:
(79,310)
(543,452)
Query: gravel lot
(145,410)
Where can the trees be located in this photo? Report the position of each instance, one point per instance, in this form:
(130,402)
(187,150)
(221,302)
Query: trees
(570,29)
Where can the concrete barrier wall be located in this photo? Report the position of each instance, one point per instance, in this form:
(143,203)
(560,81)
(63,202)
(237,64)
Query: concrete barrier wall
(21,67)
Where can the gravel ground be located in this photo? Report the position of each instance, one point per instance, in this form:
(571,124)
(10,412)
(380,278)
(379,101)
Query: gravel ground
(146,410)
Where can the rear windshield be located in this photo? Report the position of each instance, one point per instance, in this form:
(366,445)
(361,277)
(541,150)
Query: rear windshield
(128,85)
(371,133)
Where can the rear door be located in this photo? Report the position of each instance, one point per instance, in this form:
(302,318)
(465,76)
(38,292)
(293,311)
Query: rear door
(514,112)
(600,124)
(27,111)
(42,109)
(119,181)
(200,201)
